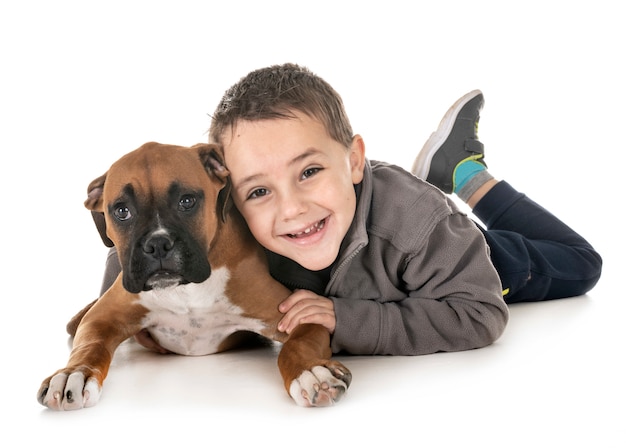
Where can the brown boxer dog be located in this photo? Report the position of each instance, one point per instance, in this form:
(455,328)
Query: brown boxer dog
(193,281)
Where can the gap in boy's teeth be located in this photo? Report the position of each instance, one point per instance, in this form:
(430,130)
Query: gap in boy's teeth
(314,228)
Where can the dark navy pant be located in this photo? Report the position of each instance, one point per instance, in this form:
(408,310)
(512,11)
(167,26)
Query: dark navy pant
(537,256)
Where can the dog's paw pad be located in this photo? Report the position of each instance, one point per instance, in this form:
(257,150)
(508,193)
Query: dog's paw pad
(66,392)
(319,387)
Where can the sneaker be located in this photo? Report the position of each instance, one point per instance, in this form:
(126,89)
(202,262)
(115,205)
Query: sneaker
(453,142)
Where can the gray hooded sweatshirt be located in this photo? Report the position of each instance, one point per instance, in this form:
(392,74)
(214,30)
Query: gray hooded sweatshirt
(413,275)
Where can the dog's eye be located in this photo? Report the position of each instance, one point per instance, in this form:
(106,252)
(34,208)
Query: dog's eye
(187,202)
(122,213)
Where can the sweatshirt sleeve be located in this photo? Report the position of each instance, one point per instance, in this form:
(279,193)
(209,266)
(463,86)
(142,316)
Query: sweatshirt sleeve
(450,300)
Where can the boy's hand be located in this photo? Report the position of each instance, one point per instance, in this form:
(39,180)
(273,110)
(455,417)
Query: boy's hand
(306,307)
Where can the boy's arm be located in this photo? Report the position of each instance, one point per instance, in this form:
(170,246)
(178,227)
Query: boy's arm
(453,301)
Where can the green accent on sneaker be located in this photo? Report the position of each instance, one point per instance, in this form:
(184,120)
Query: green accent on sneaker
(465,170)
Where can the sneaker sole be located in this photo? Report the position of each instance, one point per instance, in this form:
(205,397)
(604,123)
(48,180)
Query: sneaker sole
(421,166)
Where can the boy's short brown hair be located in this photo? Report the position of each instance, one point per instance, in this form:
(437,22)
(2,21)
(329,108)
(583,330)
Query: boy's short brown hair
(276,92)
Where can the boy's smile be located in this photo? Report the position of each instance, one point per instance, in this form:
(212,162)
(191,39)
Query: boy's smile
(309,231)
(294,185)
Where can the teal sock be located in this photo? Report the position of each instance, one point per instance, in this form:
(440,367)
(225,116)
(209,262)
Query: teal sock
(464,172)
(475,177)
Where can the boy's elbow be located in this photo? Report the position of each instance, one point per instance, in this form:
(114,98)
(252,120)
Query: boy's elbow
(491,325)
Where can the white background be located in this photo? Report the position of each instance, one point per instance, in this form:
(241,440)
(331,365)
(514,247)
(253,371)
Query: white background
(82,83)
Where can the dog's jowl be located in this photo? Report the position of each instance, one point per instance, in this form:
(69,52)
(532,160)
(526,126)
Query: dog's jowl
(193,279)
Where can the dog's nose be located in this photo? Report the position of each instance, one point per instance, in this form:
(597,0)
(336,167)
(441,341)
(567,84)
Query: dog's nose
(158,246)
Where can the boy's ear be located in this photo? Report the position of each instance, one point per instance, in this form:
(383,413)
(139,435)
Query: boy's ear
(212,157)
(357,158)
(95,204)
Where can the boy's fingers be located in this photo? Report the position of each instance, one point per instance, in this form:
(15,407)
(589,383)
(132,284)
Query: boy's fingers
(295,298)
(312,312)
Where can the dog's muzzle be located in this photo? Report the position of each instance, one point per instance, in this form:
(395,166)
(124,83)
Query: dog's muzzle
(162,261)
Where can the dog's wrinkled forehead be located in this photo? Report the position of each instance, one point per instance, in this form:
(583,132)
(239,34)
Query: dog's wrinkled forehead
(148,172)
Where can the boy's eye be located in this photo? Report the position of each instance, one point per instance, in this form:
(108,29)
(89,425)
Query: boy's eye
(310,172)
(259,192)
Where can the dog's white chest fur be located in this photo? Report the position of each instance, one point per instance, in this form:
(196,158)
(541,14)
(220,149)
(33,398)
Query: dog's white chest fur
(193,319)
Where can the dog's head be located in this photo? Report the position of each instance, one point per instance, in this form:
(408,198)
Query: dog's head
(161,206)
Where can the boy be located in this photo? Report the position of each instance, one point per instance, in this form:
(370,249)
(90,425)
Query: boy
(381,258)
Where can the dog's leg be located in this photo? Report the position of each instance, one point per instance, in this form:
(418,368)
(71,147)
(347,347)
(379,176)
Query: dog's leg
(74,322)
(310,376)
(110,321)
(142,338)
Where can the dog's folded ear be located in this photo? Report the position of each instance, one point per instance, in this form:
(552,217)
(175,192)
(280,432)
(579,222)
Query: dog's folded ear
(94,194)
(101,225)
(94,203)
(212,157)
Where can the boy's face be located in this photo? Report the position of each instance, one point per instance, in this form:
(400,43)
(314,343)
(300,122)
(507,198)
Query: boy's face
(294,185)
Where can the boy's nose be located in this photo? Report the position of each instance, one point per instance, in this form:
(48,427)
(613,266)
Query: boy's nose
(291,206)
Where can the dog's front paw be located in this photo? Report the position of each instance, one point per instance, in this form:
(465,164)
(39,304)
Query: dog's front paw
(66,391)
(321,385)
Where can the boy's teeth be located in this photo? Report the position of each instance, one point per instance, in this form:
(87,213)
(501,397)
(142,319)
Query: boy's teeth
(314,228)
